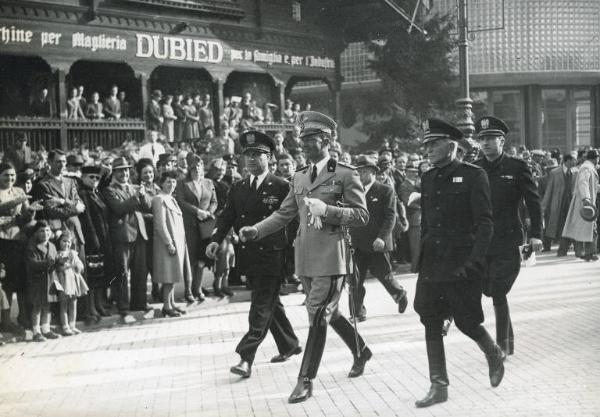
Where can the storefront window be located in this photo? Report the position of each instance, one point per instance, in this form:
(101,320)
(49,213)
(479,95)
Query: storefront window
(581,104)
(507,105)
(554,118)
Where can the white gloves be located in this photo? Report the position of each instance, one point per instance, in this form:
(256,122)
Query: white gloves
(316,209)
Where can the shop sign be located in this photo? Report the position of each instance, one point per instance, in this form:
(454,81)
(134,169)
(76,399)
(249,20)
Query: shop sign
(169,48)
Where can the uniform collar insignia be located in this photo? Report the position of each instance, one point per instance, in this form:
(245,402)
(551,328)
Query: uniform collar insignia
(485,123)
(331,164)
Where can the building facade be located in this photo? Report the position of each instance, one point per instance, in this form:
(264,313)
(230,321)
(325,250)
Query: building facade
(534,63)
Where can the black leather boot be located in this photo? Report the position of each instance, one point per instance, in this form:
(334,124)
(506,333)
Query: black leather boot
(345,330)
(502,327)
(315,344)
(494,356)
(438,392)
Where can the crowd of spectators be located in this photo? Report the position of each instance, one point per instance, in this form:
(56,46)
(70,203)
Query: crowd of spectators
(97,225)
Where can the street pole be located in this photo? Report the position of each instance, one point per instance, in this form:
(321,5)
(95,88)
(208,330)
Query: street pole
(465,104)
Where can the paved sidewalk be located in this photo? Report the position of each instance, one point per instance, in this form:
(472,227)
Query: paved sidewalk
(180,367)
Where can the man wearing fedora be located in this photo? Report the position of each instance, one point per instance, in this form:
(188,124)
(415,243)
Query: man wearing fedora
(511,181)
(262,261)
(456,229)
(581,221)
(372,243)
(127,230)
(326,196)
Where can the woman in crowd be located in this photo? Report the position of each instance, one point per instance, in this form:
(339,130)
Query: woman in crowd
(171,263)
(15,215)
(40,258)
(198,200)
(98,247)
(146,174)
(169,117)
(191,129)
(179,113)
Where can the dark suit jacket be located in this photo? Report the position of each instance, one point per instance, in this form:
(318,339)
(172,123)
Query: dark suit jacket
(245,208)
(511,182)
(153,114)
(112,108)
(125,218)
(381,203)
(190,200)
(94,222)
(60,216)
(456,221)
(94,111)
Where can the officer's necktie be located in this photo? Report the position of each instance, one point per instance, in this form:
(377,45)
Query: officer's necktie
(313,174)
(254,183)
(153,151)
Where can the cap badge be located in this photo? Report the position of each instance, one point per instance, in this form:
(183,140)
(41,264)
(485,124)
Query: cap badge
(250,139)
(426,126)
(485,123)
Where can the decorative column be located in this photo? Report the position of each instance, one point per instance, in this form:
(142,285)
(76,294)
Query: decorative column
(464,104)
(281,86)
(595,116)
(219,84)
(62,106)
(143,79)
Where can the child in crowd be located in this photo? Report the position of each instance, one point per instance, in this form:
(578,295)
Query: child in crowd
(68,270)
(40,259)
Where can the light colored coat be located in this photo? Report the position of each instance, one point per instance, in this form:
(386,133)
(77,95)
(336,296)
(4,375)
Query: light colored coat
(168,229)
(552,201)
(586,186)
(321,252)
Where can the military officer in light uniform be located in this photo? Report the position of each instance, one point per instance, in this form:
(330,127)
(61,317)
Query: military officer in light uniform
(263,260)
(511,182)
(456,230)
(326,195)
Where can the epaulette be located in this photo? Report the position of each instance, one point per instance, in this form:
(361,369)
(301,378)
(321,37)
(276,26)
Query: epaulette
(304,168)
(346,165)
(471,165)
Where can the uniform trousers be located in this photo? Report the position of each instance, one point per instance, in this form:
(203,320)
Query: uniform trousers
(130,256)
(380,266)
(501,271)
(266,313)
(322,301)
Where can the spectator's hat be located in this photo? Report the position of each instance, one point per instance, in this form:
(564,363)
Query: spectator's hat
(165,158)
(91,169)
(490,126)
(412,167)
(120,163)
(384,160)
(363,161)
(218,163)
(74,160)
(192,159)
(591,154)
(336,147)
(253,140)
(313,122)
(434,129)
(236,99)
(588,212)
(28,174)
(538,152)
(230,159)
(157,94)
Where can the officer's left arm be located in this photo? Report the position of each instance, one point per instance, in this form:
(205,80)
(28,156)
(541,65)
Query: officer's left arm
(389,212)
(355,212)
(529,191)
(481,207)
(280,218)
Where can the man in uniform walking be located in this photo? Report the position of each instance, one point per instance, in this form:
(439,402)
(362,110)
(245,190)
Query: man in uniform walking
(263,260)
(373,242)
(456,229)
(511,182)
(326,195)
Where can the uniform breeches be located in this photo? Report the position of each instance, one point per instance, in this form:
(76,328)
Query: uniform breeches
(436,301)
(501,271)
(266,313)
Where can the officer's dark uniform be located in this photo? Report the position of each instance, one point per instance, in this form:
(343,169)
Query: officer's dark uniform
(511,182)
(456,229)
(262,261)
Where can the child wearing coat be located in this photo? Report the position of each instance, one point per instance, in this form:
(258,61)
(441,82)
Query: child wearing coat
(69,269)
(40,259)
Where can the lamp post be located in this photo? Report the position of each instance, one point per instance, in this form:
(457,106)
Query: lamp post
(465,104)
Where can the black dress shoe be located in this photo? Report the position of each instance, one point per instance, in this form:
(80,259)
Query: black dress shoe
(437,394)
(402,302)
(590,258)
(190,299)
(282,357)
(302,391)
(358,319)
(103,312)
(227,291)
(179,310)
(243,369)
(170,313)
(218,293)
(358,367)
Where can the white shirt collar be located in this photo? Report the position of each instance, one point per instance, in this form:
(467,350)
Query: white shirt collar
(259,180)
(368,186)
(321,164)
